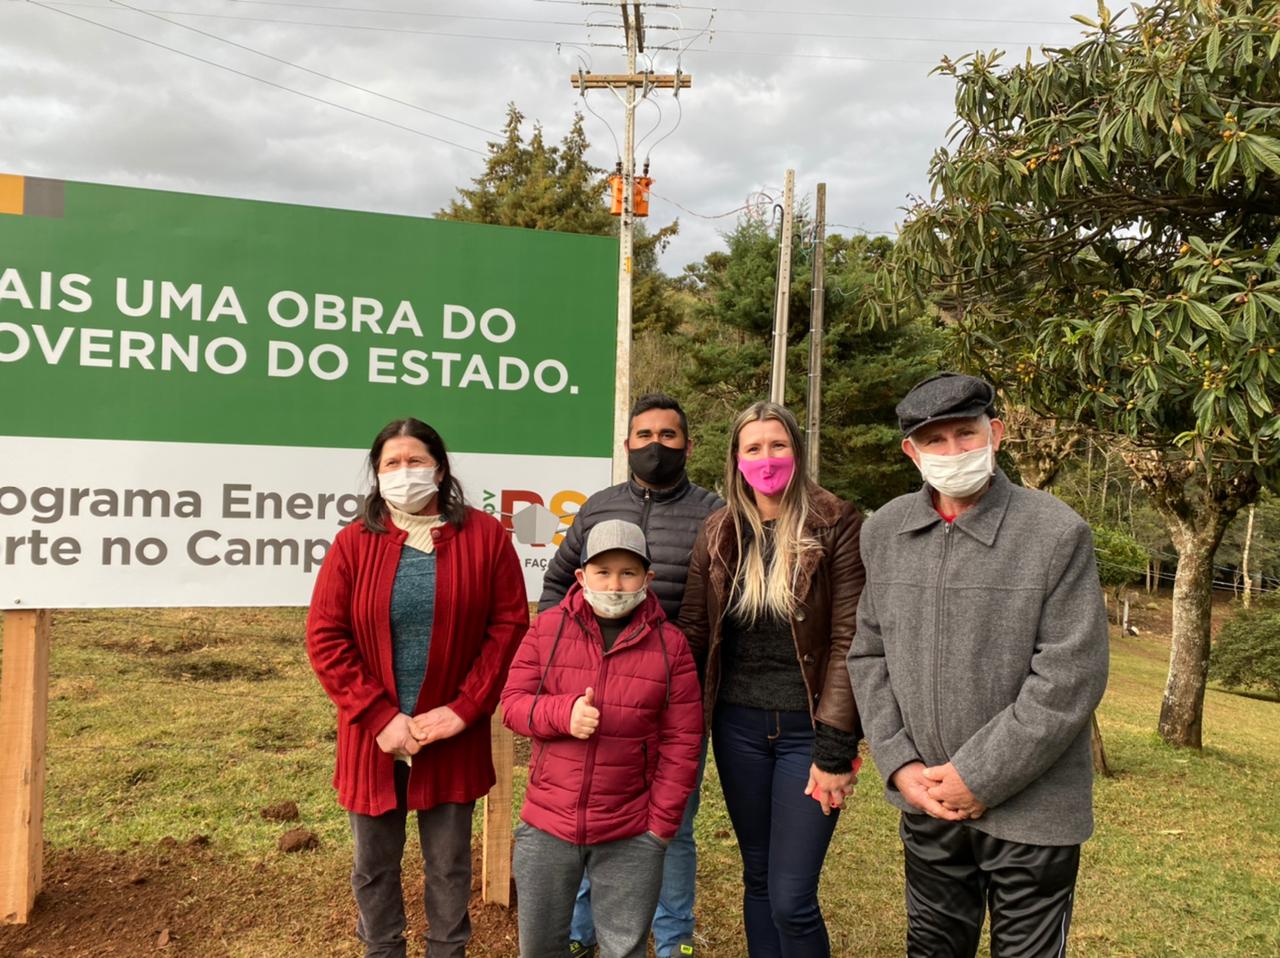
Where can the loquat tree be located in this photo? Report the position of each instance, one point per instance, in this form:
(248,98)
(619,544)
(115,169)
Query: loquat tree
(1102,234)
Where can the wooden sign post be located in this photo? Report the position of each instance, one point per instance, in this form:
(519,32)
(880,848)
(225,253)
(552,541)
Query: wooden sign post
(495,878)
(24,700)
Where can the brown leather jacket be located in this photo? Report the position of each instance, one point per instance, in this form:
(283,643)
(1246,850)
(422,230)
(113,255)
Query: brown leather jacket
(828,582)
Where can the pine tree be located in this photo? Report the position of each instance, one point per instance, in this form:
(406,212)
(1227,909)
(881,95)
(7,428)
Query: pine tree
(536,186)
(865,371)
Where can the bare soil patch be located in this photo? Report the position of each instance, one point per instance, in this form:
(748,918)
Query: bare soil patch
(182,898)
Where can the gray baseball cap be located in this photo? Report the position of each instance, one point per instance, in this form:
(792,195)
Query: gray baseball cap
(945,396)
(615,534)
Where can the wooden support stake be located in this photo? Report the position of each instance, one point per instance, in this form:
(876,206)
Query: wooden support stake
(24,700)
(1100,765)
(495,878)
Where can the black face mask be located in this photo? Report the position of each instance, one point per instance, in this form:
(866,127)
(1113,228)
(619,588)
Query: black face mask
(656,464)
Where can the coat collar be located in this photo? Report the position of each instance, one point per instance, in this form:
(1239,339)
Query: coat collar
(660,495)
(982,522)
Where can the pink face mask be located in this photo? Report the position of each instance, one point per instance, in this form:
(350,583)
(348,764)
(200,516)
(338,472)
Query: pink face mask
(767,476)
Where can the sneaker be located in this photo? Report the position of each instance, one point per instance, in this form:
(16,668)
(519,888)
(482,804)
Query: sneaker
(683,949)
(578,950)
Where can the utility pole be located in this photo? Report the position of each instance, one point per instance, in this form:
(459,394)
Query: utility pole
(782,295)
(629,82)
(814,406)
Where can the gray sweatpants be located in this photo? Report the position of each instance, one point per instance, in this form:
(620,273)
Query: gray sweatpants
(626,877)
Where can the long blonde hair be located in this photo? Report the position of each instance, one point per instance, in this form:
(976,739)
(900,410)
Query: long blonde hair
(759,590)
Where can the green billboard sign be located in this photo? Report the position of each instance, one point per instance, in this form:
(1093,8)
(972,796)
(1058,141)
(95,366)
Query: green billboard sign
(188,384)
(137,314)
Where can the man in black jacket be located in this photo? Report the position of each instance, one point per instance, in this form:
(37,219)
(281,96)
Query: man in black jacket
(670,509)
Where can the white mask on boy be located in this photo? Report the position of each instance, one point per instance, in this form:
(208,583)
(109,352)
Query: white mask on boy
(613,605)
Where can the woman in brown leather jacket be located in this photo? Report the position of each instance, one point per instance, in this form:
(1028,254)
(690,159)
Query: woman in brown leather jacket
(769,610)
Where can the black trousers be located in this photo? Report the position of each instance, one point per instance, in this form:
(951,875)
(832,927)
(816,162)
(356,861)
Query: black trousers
(445,835)
(955,872)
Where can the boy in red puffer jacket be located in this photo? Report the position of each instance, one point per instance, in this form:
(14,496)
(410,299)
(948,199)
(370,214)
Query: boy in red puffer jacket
(606,688)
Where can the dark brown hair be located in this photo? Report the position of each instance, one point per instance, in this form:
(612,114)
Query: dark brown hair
(650,401)
(449,498)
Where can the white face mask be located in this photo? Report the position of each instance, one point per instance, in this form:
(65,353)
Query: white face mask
(408,489)
(958,476)
(613,605)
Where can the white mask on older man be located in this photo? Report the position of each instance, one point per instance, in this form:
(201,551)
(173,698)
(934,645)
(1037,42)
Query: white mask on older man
(960,475)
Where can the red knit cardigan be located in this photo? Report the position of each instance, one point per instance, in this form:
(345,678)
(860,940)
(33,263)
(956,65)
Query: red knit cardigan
(481,613)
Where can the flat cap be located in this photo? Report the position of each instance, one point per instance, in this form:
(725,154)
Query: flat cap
(945,396)
(615,534)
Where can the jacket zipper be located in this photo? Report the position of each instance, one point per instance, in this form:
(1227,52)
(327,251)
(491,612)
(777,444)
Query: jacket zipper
(589,764)
(537,764)
(644,513)
(937,634)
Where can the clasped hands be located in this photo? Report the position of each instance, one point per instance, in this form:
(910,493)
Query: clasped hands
(407,735)
(830,789)
(938,791)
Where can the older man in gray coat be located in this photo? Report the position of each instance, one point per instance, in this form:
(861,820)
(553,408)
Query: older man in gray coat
(980,654)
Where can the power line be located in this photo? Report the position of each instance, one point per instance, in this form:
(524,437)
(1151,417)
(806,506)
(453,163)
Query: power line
(509,39)
(48,4)
(701,216)
(298,66)
(264,80)
(572,23)
(777,53)
(862,229)
(407,13)
(814,13)
(411,31)
(868,36)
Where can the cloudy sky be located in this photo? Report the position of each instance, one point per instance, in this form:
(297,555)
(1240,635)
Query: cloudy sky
(388,105)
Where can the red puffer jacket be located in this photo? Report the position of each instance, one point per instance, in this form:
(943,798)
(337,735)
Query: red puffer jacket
(636,772)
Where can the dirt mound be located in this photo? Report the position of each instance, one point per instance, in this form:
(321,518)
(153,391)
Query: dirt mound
(286,811)
(298,840)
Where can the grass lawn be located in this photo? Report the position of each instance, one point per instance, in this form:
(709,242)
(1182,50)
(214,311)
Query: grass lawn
(165,724)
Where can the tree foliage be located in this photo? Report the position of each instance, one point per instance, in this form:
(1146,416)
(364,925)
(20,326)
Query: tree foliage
(1121,558)
(1103,234)
(1107,226)
(1247,653)
(535,185)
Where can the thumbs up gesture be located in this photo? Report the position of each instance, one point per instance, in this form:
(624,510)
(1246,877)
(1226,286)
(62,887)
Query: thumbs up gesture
(585,718)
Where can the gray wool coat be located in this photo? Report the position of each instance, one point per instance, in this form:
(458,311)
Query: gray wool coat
(984,643)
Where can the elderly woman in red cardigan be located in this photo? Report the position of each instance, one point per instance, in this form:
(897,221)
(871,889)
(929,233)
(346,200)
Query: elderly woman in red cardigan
(417,612)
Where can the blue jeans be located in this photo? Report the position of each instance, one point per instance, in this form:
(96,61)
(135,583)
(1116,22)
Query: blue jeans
(763,758)
(673,921)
